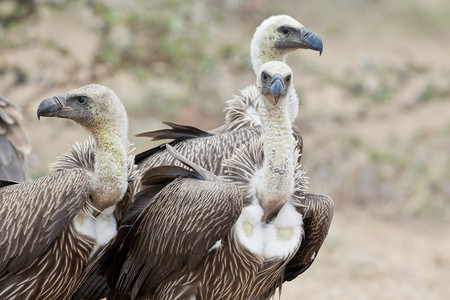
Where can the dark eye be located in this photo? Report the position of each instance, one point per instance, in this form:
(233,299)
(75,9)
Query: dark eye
(264,76)
(288,78)
(82,100)
(285,29)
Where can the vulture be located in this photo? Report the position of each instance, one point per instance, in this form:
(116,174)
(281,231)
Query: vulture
(273,40)
(14,143)
(50,226)
(234,232)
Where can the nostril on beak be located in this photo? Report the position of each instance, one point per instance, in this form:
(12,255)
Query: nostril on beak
(58,102)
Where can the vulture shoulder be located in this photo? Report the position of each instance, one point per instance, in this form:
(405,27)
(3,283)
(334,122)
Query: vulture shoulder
(317,211)
(202,147)
(35,212)
(177,133)
(242,110)
(14,143)
(207,151)
(179,224)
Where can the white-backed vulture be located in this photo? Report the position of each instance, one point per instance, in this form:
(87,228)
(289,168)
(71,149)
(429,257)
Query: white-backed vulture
(273,40)
(239,239)
(48,230)
(14,143)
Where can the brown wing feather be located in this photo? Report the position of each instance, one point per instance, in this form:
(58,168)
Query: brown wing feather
(177,228)
(92,284)
(35,212)
(239,110)
(209,152)
(317,215)
(177,133)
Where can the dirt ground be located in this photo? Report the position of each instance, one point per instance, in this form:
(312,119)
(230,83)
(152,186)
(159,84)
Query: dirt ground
(370,258)
(375,112)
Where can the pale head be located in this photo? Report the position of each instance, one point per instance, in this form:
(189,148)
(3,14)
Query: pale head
(274,82)
(279,35)
(92,106)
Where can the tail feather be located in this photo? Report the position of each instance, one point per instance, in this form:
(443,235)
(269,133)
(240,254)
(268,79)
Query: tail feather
(177,133)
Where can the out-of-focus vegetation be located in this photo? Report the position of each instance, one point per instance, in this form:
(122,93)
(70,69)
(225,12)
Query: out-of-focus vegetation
(375,107)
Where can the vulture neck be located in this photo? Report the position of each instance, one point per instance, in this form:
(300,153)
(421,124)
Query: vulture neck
(111,168)
(277,183)
(262,50)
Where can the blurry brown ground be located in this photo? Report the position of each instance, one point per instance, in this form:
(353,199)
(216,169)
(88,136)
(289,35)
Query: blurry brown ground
(375,111)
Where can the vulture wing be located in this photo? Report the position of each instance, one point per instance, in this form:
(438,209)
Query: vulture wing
(34,213)
(175,230)
(317,215)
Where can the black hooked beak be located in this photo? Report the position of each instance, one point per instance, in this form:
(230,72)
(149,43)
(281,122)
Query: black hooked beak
(276,87)
(50,106)
(313,40)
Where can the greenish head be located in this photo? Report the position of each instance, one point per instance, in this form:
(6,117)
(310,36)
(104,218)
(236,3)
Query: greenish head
(279,35)
(93,106)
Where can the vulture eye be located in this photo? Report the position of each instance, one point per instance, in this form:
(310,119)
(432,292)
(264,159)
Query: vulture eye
(264,76)
(82,100)
(285,29)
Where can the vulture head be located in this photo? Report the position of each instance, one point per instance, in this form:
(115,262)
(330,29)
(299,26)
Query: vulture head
(274,82)
(99,110)
(279,35)
(95,107)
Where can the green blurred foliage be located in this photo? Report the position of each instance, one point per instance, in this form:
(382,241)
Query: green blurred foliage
(140,33)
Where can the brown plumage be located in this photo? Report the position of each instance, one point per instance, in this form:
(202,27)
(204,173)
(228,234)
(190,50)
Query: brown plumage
(209,151)
(36,225)
(180,205)
(242,118)
(14,143)
(82,156)
(47,229)
(184,266)
(317,211)
(199,239)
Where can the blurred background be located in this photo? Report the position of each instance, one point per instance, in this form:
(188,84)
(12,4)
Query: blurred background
(374,112)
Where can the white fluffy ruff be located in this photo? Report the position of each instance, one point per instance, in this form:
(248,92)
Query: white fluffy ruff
(242,110)
(102,228)
(245,168)
(264,239)
(82,155)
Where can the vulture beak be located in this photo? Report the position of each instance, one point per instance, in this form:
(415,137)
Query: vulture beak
(301,39)
(50,106)
(276,87)
(313,40)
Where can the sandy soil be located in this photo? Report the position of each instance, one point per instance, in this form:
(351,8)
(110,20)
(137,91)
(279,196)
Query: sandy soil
(370,258)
